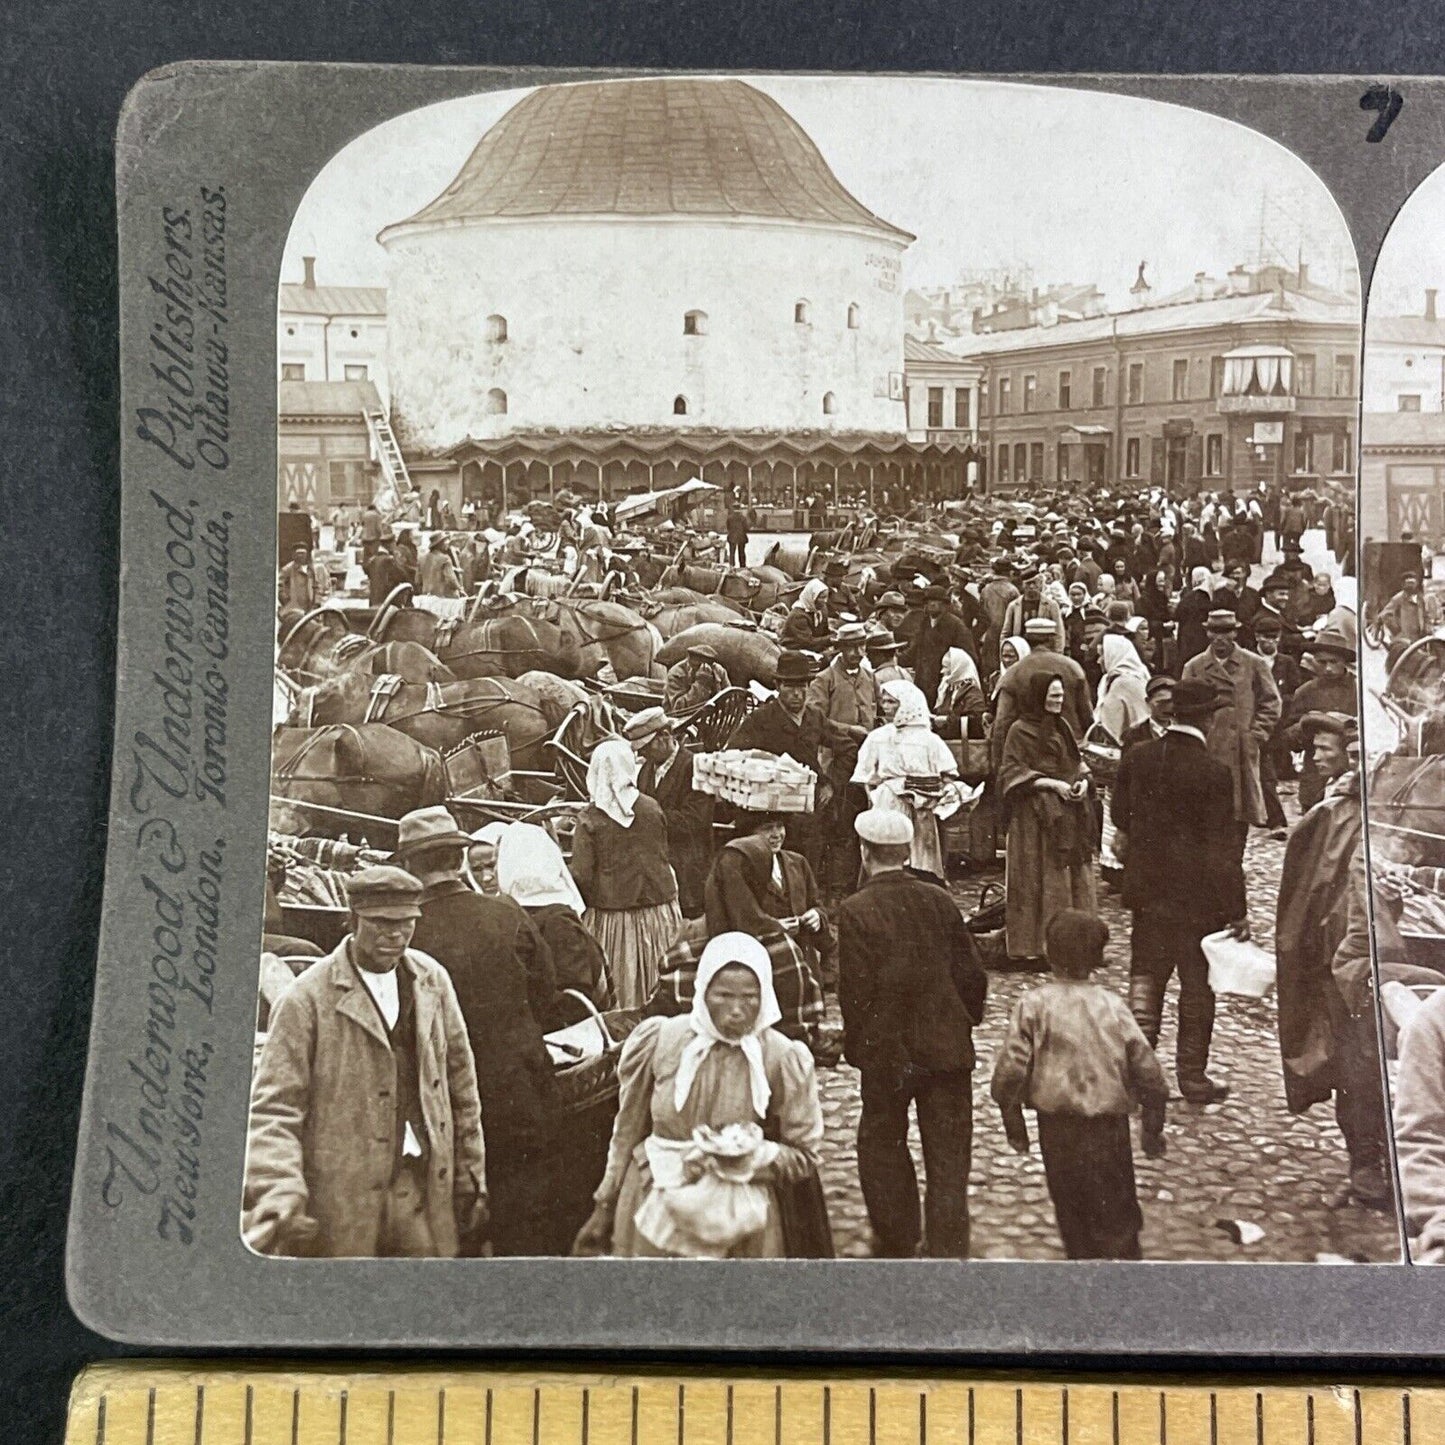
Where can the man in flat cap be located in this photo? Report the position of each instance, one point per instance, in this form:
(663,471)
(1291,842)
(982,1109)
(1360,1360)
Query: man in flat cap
(506,985)
(1159,694)
(1331,690)
(1015,687)
(667,775)
(366,1132)
(1032,603)
(1183,877)
(1329,1043)
(845,696)
(1249,711)
(911,989)
(697,679)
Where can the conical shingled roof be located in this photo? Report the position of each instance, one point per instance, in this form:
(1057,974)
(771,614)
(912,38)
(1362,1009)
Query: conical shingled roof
(655,147)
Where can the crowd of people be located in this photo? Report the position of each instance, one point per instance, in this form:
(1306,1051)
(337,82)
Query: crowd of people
(1092,683)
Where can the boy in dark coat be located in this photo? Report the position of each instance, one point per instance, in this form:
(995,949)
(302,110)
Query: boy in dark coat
(1074,1055)
(667,776)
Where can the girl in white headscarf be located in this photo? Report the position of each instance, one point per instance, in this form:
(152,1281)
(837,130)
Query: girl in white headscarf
(720,1070)
(622,867)
(532,872)
(907,768)
(1120,704)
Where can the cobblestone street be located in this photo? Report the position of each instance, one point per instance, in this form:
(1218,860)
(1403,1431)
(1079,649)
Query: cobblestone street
(1247,1160)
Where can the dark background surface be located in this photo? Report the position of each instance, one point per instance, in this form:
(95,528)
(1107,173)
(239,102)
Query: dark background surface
(64,70)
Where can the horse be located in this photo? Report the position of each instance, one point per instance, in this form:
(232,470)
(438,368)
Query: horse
(603,634)
(369,768)
(495,643)
(439,716)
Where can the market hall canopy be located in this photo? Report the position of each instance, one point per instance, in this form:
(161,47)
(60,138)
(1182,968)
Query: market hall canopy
(643,502)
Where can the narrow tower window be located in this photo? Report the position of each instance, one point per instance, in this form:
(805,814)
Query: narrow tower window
(496,402)
(679,406)
(694,323)
(496,328)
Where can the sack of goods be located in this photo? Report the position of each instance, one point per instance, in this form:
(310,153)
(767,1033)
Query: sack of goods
(757,781)
(1238,966)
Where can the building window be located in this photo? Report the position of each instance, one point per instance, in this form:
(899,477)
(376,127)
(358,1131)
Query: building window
(290,331)
(293,371)
(1304,375)
(1214,454)
(355,373)
(1003,462)
(1344,376)
(1304,452)
(962,405)
(1179,380)
(694,323)
(1031,391)
(830,403)
(1216,375)
(1136,383)
(800,313)
(1036,461)
(496,402)
(1021,461)
(1099,374)
(1341,460)
(852,316)
(1131,457)
(496,328)
(1066,390)
(1407,401)
(354,333)
(679,406)
(935,407)
(347,481)
(1005,395)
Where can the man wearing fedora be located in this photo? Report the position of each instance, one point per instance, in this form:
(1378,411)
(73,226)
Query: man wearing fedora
(881,649)
(1248,713)
(1183,877)
(697,679)
(845,695)
(507,988)
(366,1130)
(667,776)
(788,723)
(889,612)
(1331,690)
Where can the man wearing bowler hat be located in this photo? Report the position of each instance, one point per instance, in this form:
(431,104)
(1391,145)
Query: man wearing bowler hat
(666,775)
(788,724)
(1183,877)
(507,988)
(697,679)
(366,1132)
(912,990)
(1248,713)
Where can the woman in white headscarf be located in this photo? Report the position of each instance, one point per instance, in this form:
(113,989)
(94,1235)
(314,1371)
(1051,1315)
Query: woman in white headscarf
(806,624)
(684,1080)
(1121,703)
(960,690)
(531,871)
(907,768)
(621,864)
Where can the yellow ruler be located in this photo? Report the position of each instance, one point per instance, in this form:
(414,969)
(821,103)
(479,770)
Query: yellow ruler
(143,1403)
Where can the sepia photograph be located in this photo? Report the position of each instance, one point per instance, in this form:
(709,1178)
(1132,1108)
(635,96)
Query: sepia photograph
(817,704)
(1402,509)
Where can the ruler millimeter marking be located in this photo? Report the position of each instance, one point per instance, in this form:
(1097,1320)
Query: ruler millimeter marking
(144,1403)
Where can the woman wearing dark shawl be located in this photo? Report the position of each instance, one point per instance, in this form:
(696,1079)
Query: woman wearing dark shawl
(1043,790)
(755,883)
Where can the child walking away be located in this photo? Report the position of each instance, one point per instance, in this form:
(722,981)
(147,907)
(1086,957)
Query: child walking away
(1074,1055)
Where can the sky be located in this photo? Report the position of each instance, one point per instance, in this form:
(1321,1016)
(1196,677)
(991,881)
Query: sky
(1413,255)
(1079,186)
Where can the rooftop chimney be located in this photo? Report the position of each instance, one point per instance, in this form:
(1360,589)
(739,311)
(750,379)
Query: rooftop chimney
(1304,274)
(1430,294)
(308,280)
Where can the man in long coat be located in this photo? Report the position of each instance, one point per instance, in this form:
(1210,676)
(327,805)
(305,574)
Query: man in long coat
(366,1131)
(937,631)
(1328,1041)
(506,986)
(667,776)
(1183,877)
(911,989)
(1249,711)
(845,695)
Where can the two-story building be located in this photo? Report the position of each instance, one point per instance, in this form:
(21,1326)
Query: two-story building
(331,333)
(1259,384)
(941,395)
(1405,361)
